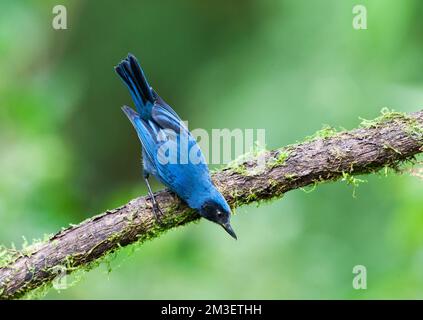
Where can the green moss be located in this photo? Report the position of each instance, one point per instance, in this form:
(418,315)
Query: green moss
(38,293)
(413,127)
(240,169)
(236,202)
(251,197)
(268,200)
(71,265)
(280,160)
(66,275)
(353,181)
(273,183)
(311,189)
(29,248)
(337,152)
(387,115)
(347,177)
(290,176)
(388,146)
(385,170)
(239,165)
(324,133)
(7,255)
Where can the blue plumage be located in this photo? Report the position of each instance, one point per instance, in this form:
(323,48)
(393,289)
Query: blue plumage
(170,153)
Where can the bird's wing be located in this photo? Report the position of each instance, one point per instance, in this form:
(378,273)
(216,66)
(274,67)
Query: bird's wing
(166,118)
(159,102)
(146,133)
(184,174)
(186,178)
(165,127)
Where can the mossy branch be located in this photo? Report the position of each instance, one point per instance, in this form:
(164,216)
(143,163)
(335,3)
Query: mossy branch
(326,156)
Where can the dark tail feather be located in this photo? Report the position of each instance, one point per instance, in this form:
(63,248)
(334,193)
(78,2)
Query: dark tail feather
(131,73)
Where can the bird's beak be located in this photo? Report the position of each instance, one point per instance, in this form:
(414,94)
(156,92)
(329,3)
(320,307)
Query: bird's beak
(228,228)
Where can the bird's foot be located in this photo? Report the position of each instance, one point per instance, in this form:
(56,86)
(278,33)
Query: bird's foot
(156,210)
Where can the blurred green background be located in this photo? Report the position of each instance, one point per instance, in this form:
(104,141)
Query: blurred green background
(67,152)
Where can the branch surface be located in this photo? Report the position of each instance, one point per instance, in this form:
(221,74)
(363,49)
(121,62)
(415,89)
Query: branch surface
(328,156)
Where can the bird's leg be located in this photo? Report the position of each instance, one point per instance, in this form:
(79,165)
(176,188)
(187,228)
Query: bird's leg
(156,208)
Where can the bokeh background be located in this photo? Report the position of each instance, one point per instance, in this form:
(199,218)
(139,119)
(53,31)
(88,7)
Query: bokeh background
(67,152)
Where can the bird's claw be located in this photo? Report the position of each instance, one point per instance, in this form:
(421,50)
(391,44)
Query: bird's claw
(156,211)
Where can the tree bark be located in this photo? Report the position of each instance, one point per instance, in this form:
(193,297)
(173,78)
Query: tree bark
(384,142)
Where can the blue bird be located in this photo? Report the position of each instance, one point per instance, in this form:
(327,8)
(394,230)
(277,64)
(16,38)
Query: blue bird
(169,151)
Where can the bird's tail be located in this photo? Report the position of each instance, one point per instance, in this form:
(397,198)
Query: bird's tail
(131,73)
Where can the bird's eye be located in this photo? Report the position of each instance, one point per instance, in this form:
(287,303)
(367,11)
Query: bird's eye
(219,213)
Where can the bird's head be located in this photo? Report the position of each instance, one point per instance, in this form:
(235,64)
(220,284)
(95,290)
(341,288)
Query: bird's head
(218,211)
